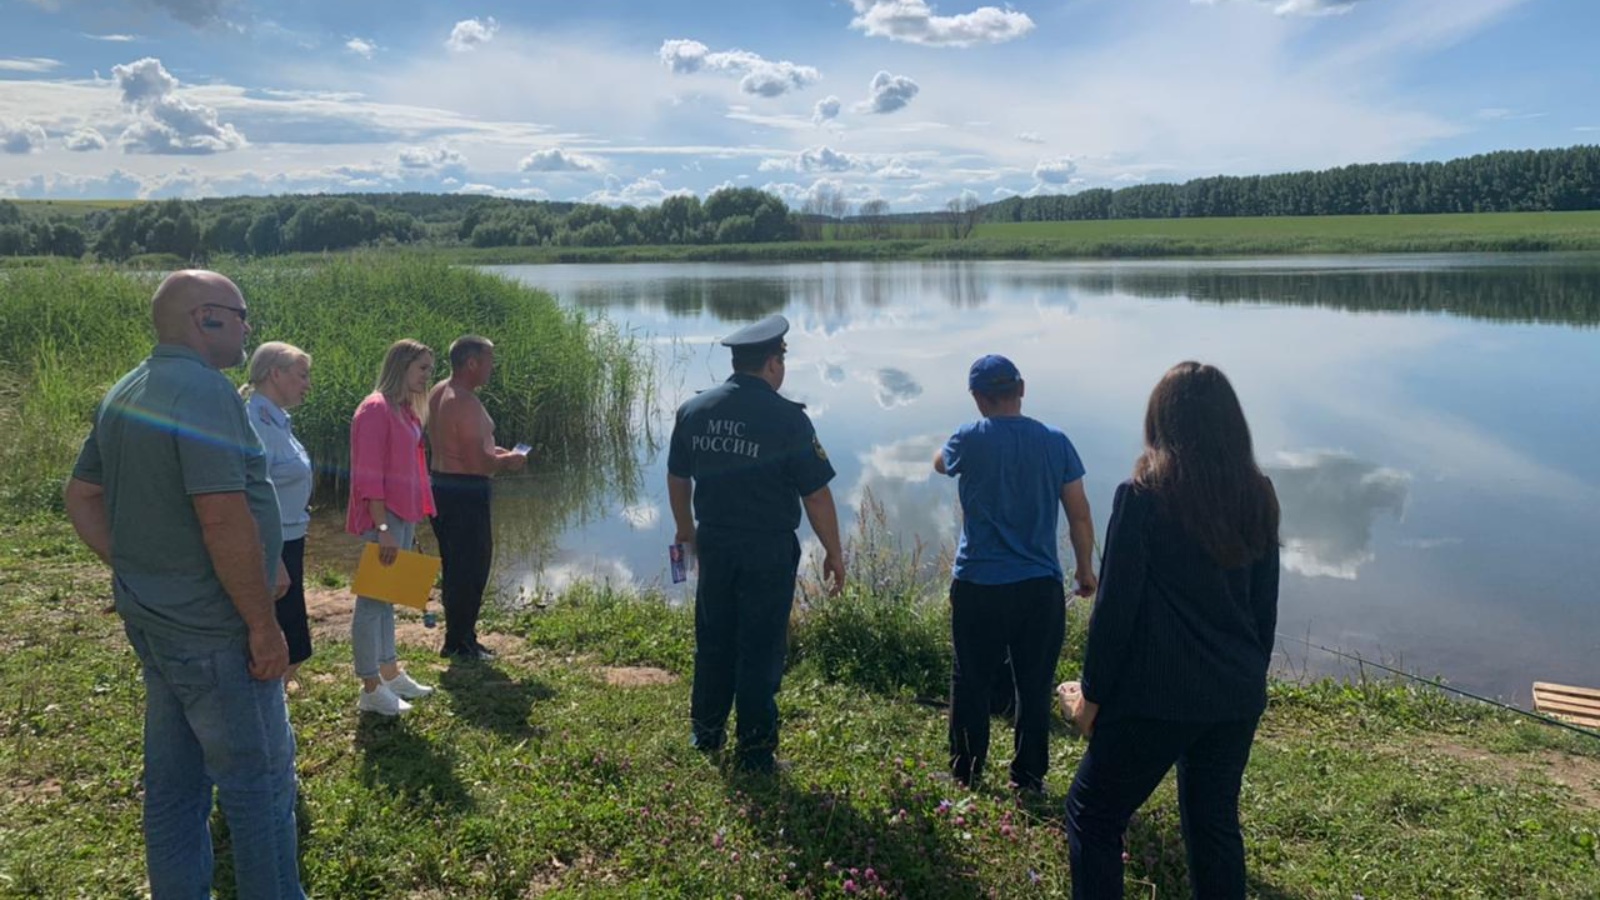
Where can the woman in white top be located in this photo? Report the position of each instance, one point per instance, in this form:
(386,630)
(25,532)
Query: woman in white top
(280,377)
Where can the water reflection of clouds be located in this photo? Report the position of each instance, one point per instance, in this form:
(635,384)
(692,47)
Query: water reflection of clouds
(1330,501)
(555,578)
(899,479)
(895,387)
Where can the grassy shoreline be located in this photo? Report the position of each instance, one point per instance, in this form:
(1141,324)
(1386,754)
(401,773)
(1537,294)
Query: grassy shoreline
(564,770)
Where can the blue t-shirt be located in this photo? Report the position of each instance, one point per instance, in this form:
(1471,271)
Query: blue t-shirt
(1011,472)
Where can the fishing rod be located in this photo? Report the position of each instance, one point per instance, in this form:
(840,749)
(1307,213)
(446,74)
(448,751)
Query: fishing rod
(1548,720)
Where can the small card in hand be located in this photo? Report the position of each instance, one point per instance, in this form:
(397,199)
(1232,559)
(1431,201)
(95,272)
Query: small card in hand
(675,555)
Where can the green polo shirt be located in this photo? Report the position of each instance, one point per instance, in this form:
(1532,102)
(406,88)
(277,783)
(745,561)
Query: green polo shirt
(173,428)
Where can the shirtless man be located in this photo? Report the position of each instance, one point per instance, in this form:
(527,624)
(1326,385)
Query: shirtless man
(461,435)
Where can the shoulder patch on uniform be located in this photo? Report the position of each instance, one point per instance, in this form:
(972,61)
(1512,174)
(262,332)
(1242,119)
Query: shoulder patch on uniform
(817,446)
(266,417)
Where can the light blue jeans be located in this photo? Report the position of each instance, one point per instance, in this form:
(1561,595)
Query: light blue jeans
(209,725)
(372,625)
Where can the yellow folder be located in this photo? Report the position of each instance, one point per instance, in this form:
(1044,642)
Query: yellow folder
(406,581)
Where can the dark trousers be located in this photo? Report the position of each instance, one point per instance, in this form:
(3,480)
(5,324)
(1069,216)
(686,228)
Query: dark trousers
(466,548)
(1125,762)
(741,633)
(291,607)
(1027,620)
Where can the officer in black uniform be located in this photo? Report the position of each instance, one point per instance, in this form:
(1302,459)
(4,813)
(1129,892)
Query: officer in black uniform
(747,460)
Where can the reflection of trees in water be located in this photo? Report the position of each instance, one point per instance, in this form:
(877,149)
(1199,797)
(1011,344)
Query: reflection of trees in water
(826,291)
(1568,295)
(532,512)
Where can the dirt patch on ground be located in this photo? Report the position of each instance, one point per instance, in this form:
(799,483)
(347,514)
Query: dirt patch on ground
(329,610)
(1578,775)
(636,676)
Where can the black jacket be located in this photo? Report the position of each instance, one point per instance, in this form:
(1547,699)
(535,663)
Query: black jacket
(1174,635)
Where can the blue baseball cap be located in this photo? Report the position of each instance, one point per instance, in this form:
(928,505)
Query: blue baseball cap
(992,373)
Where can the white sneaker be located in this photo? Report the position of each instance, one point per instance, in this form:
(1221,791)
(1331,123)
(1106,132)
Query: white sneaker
(403,686)
(382,701)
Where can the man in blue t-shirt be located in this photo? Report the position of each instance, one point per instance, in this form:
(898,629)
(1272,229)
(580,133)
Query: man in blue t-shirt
(1006,593)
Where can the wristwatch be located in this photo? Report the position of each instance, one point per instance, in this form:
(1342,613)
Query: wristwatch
(383,526)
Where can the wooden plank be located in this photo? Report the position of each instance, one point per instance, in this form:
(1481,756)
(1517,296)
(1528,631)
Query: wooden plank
(1579,703)
(1577,709)
(1585,721)
(1551,687)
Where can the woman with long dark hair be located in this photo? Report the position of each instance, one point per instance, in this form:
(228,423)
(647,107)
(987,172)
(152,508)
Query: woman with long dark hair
(1175,669)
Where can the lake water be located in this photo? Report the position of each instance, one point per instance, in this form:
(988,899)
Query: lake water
(1431,424)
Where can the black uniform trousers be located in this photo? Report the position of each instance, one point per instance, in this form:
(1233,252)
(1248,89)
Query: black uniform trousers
(1026,619)
(741,633)
(463,528)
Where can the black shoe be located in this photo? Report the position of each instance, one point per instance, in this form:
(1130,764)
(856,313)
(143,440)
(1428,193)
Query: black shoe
(465,654)
(484,653)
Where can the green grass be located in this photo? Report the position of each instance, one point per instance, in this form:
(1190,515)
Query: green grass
(564,383)
(1117,238)
(535,776)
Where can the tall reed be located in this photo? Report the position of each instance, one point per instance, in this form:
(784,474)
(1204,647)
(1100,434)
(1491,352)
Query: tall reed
(565,383)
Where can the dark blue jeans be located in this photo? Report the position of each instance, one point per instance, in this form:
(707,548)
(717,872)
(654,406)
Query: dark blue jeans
(1125,762)
(741,634)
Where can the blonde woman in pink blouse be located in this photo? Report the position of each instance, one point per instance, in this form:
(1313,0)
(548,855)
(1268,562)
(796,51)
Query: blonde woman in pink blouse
(389,495)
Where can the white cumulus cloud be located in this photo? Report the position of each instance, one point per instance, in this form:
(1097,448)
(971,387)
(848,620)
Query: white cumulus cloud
(639,192)
(84,140)
(888,93)
(812,159)
(23,137)
(489,190)
(897,170)
(1030,137)
(826,110)
(361,47)
(915,22)
(758,76)
(1055,171)
(469,34)
(554,159)
(431,158)
(166,123)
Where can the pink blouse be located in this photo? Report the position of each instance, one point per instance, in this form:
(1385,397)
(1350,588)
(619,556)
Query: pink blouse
(388,463)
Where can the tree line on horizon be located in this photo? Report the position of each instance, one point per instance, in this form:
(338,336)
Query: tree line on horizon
(1503,181)
(1507,181)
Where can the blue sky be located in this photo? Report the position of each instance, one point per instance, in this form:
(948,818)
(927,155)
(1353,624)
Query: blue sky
(900,100)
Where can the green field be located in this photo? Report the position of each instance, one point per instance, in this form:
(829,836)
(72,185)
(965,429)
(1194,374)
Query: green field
(1119,239)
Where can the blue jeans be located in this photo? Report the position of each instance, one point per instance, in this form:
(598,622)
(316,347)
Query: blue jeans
(207,725)
(372,624)
(1126,760)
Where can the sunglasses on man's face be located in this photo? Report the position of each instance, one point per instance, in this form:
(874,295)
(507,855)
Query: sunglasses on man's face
(241,312)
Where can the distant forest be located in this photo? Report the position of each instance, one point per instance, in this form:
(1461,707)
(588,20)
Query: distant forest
(1507,181)
(1510,181)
